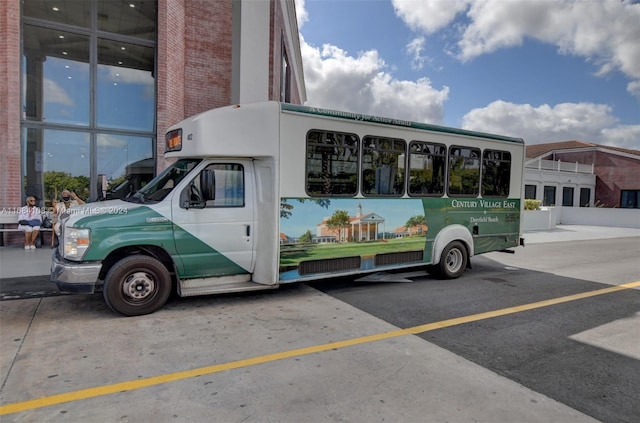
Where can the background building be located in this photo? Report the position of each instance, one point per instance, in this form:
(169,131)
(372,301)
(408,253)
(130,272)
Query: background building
(89,87)
(581,174)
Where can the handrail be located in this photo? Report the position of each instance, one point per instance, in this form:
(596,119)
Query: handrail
(560,166)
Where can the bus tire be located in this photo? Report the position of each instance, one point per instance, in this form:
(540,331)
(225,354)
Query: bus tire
(137,285)
(453,260)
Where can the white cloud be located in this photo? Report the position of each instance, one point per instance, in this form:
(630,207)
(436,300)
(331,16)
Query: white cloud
(624,136)
(362,83)
(633,88)
(429,16)
(567,121)
(124,75)
(337,80)
(112,141)
(605,32)
(415,48)
(54,93)
(301,13)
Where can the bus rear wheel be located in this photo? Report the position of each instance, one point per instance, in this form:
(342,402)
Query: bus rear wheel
(137,285)
(453,260)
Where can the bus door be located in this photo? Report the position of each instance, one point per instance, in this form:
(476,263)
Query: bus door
(214,222)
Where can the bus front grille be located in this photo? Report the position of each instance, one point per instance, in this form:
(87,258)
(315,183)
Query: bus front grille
(327,266)
(397,258)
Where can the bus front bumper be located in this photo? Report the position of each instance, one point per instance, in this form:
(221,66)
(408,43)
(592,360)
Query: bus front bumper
(77,278)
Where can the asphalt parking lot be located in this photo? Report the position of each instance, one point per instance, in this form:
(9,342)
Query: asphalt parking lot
(425,351)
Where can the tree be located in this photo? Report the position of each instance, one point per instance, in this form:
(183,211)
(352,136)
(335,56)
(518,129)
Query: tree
(338,222)
(414,221)
(286,208)
(306,237)
(55,182)
(113,183)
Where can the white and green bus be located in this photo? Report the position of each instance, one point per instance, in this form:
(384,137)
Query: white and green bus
(270,193)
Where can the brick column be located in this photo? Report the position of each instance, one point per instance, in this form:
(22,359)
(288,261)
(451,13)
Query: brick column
(10,180)
(170,77)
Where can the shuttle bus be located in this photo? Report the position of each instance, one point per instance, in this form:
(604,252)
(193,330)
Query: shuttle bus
(270,193)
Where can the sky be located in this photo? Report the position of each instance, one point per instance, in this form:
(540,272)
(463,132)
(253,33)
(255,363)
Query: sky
(541,70)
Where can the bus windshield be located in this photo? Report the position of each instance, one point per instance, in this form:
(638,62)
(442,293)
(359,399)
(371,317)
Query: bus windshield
(158,188)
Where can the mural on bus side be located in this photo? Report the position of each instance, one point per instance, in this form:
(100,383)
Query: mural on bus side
(319,229)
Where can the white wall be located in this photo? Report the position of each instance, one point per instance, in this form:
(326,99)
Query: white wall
(539,220)
(549,217)
(559,180)
(593,216)
(250,56)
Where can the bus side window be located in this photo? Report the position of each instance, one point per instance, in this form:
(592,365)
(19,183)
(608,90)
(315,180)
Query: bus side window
(383,166)
(496,173)
(229,186)
(331,163)
(427,164)
(464,171)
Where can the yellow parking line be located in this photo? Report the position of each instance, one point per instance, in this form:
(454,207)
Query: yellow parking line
(172,377)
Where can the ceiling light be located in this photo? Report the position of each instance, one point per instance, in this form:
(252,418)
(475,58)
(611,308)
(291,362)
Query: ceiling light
(55,9)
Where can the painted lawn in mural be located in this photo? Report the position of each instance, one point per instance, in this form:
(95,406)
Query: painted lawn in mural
(292,255)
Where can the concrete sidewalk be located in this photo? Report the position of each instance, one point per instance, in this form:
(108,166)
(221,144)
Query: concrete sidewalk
(15,262)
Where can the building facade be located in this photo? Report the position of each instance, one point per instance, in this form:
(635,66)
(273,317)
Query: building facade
(360,228)
(89,87)
(580,174)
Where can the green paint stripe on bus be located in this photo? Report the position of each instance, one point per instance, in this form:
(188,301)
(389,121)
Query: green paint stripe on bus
(142,225)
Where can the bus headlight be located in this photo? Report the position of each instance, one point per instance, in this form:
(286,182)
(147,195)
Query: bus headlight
(76,243)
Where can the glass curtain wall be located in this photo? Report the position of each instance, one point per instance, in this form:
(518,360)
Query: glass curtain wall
(88,97)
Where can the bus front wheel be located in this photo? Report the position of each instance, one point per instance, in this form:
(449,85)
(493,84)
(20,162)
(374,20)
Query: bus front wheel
(137,285)
(453,260)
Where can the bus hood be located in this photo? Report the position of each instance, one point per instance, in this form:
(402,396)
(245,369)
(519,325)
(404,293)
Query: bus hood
(102,213)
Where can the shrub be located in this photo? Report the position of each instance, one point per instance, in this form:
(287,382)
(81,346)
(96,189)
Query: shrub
(532,204)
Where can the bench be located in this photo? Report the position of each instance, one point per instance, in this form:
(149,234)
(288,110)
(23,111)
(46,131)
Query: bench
(11,219)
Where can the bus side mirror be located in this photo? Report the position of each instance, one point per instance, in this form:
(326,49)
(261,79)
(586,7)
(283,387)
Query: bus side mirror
(208,184)
(190,198)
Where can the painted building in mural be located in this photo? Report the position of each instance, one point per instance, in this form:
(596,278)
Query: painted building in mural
(361,227)
(365,227)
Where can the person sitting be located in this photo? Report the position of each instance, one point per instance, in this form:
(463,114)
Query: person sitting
(29,221)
